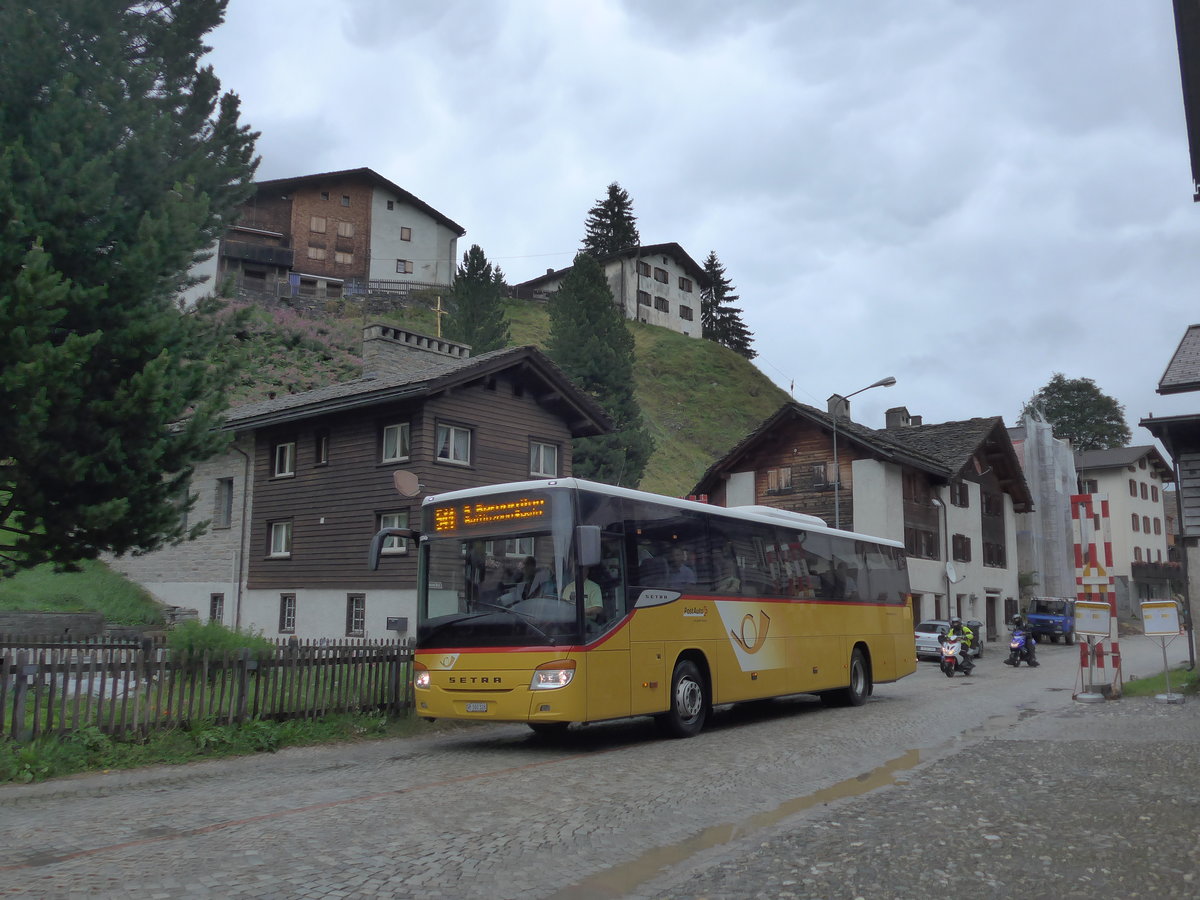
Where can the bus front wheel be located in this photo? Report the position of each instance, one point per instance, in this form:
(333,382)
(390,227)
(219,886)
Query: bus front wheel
(689,701)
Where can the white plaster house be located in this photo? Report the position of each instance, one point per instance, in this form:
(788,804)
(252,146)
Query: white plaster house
(657,283)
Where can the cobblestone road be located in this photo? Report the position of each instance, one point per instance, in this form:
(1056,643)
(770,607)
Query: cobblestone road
(778,800)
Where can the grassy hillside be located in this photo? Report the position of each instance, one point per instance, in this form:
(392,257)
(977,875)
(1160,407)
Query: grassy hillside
(698,398)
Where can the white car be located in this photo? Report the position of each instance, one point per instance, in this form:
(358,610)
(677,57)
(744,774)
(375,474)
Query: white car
(928,632)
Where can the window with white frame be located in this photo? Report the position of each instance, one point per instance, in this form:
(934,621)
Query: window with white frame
(281,539)
(346,229)
(398,519)
(321,448)
(356,615)
(543,460)
(216,607)
(513,547)
(396,447)
(285,459)
(287,613)
(454,444)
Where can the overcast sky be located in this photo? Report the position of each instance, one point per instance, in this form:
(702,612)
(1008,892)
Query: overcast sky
(970,196)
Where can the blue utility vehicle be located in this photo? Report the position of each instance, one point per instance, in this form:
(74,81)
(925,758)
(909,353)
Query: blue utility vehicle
(1052,618)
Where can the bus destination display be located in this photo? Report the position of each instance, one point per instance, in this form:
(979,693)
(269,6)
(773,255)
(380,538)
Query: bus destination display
(487,514)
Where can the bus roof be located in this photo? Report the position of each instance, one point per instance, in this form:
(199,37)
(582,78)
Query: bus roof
(764,514)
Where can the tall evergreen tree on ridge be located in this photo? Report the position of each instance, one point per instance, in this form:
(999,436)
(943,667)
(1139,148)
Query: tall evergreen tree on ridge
(477,317)
(611,226)
(119,167)
(591,343)
(720,321)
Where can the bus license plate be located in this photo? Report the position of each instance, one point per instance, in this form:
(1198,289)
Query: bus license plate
(476,707)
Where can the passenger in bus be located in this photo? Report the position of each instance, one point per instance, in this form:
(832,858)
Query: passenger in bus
(535,582)
(726,572)
(679,573)
(845,587)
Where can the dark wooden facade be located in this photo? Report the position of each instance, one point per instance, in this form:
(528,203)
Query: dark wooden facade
(334,507)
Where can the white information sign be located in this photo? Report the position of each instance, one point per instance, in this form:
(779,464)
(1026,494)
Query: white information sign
(1160,617)
(1092,618)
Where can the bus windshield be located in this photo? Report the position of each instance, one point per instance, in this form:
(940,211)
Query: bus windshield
(500,570)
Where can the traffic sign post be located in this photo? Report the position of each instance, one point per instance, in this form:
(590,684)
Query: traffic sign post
(1160,618)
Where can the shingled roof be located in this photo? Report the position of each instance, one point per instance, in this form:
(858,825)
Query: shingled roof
(428,374)
(1183,371)
(969,447)
(945,450)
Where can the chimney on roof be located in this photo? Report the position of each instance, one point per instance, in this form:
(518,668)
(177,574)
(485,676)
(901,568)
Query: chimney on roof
(838,406)
(549,271)
(898,417)
(397,351)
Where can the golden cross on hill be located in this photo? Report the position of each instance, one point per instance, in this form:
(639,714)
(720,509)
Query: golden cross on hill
(440,312)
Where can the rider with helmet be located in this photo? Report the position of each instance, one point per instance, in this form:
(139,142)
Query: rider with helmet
(961,632)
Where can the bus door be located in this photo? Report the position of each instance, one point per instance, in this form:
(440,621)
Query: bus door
(607,655)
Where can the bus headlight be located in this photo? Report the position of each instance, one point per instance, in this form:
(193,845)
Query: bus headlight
(552,675)
(420,677)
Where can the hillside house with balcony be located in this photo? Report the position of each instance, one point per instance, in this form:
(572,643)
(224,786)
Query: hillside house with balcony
(336,233)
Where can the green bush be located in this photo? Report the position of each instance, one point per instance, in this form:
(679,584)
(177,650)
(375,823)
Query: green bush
(194,639)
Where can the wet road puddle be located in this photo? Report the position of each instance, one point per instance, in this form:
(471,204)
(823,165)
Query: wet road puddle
(621,880)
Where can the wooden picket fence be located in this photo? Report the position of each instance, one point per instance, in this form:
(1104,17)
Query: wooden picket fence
(123,688)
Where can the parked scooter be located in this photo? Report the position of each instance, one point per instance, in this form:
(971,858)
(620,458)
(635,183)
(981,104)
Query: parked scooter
(1021,648)
(952,652)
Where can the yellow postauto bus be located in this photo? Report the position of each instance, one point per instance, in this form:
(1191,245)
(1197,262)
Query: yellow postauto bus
(560,601)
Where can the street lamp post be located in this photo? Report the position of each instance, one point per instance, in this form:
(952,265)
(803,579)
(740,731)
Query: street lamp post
(837,469)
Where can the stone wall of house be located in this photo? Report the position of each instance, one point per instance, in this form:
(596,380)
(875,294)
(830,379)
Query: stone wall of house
(52,624)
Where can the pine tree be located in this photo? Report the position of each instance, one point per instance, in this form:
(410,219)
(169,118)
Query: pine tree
(119,165)
(477,315)
(720,320)
(611,226)
(589,341)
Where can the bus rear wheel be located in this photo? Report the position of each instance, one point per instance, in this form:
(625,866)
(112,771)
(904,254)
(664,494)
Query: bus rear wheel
(689,701)
(860,684)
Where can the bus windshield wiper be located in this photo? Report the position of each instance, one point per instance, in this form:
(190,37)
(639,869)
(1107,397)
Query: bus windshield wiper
(528,619)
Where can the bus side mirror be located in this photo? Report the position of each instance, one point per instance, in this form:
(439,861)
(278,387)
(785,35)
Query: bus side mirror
(378,541)
(587,545)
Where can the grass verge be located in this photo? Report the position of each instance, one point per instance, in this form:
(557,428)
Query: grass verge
(1183,682)
(91,750)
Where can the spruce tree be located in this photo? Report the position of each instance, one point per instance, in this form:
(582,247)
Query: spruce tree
(120,162)
(477,315)
(611,226)
(590,342)
(720,320)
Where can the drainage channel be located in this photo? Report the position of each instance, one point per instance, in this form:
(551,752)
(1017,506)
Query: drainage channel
(621,880)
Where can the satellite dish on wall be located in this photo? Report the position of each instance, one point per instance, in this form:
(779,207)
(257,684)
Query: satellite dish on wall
(952,573)
(407,483)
